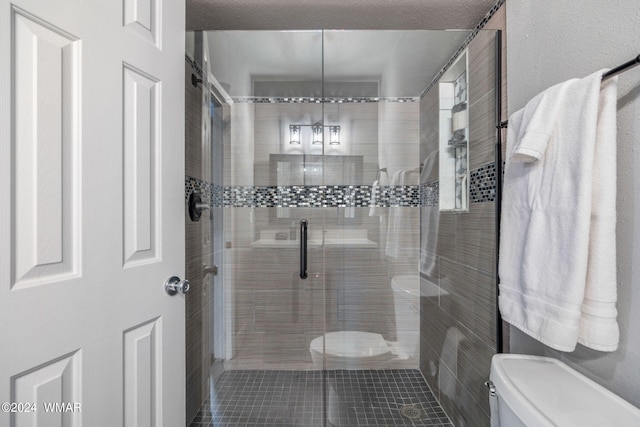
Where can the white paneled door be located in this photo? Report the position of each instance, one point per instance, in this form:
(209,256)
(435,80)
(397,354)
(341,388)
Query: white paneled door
(91,212)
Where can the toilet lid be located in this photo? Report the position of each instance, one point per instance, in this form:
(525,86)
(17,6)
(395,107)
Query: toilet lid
(350,344)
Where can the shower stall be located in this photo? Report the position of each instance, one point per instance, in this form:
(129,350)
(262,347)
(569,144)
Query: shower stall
(345,212)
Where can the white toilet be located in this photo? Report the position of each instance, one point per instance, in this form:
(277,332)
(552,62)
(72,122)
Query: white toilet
(535,391)
(367,350)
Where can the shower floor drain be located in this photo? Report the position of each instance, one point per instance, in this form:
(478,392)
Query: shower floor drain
(411,412)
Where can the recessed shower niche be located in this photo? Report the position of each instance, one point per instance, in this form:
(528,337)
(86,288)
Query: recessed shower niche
(454,137)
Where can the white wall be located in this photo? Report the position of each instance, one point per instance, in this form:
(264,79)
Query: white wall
(553,40)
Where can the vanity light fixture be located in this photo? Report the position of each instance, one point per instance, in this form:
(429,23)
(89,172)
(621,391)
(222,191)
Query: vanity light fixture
(294,134)
(334,135)
(317,134)
(317,129)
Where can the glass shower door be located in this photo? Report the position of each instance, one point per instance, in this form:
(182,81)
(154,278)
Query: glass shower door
(272,174)
(328,130)
(372,239)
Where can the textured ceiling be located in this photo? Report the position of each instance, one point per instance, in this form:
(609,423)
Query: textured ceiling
(335,14)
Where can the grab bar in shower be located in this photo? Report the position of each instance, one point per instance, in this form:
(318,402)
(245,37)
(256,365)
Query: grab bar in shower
(303,248)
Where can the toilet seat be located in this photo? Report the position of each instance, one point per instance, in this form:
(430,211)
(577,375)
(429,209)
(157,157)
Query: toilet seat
(350,344)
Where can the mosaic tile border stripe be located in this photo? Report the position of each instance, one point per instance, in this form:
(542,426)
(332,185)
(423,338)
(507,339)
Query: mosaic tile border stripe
(212,194)
(482,189)
(429,194)
(321,196)
(297,196)
(482,184)
(320,100)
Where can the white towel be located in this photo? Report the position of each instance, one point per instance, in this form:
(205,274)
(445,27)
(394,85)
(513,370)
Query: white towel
(350,200)
(403,221)
(541,115)
(598,325)
(374,205)
(283,178)
(395,220)
(374,209)
(429,222)
(557,264)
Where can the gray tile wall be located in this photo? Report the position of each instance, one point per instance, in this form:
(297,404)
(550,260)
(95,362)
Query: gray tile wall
(457,327)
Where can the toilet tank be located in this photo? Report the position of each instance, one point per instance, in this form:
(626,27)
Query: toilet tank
(535,391)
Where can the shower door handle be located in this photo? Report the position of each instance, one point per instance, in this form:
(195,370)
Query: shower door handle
(303,248)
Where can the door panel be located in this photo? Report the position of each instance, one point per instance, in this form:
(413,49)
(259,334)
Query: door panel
(143,17)
(91,195)
(45,141)
(140,118)
(55,381)
(142,364)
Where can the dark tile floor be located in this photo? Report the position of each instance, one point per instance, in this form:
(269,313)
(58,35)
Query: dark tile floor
(317,398)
